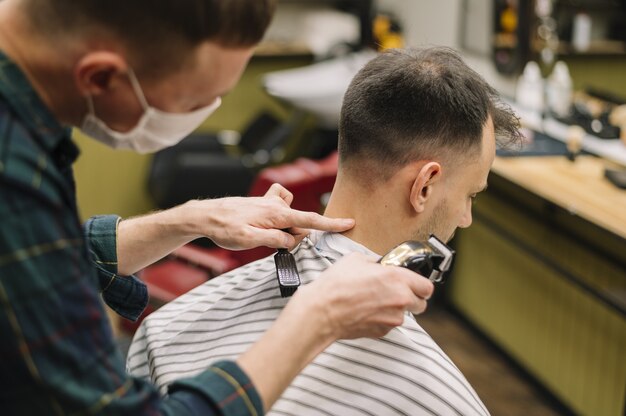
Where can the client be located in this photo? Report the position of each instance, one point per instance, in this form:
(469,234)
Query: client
(417,138)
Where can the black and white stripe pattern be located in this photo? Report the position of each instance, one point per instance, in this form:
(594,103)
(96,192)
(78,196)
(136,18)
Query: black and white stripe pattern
(403,373)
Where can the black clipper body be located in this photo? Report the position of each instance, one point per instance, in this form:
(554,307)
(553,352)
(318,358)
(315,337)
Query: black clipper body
(287,273)
(430,258)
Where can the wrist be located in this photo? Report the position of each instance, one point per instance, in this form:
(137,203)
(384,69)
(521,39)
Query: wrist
(307,307)
(188,220)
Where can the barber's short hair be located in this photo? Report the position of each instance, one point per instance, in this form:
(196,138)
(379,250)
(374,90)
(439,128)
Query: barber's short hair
(408,105)
(165,28)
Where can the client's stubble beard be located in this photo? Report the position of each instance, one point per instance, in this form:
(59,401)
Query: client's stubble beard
(435,224)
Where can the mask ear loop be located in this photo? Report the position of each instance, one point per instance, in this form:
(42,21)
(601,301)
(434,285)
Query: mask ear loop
(134,82)
(90,106)
(137,88)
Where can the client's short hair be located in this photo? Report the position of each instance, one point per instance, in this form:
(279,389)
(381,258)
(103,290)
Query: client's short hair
(408,105)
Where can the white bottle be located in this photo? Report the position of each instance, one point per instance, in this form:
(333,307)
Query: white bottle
(559,90)
(529,91)
(581,32)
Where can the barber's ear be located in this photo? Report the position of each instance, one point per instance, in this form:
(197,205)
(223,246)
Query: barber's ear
(422,187)
(98,72)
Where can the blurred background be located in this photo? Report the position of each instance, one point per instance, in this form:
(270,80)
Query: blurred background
(534,312)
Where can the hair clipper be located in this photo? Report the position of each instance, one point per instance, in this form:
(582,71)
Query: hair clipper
(430,258)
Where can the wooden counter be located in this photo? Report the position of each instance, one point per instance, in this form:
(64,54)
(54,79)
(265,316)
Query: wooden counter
(542,273)
(579,187)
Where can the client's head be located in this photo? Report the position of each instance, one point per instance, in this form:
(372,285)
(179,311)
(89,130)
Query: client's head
(417,138)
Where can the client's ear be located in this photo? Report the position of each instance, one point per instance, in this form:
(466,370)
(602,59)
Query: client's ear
(422,187)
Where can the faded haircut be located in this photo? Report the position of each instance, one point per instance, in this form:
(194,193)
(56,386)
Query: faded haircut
(416,104)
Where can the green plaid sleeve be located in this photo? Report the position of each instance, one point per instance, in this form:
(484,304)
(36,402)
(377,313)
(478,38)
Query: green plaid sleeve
(58,353)
(231,390)
(126,295)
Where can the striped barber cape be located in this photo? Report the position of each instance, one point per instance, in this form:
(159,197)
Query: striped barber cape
(403,373)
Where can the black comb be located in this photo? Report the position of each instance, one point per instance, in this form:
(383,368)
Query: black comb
(287,272)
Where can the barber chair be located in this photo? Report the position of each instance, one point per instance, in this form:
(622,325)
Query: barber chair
(190,265)
(206,165)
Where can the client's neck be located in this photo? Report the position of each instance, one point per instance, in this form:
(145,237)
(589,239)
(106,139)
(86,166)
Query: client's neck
(379,213)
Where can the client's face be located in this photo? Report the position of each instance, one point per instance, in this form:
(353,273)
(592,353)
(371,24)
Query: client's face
(454,209)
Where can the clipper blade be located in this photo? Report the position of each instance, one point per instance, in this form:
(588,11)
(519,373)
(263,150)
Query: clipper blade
(287,272)
(445,253)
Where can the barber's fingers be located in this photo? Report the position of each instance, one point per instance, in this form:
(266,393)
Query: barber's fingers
(310,220)
(418,284)
(418,306)
(417,289)
(298,234)
(296,220)
(280,191)
(272,238)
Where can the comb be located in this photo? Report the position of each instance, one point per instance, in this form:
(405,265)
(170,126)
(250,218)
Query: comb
(287,272)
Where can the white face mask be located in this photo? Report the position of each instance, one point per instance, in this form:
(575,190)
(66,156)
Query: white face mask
(156,129)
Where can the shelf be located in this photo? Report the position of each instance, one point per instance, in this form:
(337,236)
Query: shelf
(596,48)
(592,5)
(603,48)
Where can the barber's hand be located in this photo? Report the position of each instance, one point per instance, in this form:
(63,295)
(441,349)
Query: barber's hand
(357,297)
(242,223)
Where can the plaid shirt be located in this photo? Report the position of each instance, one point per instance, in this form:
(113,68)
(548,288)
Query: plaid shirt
(57,353)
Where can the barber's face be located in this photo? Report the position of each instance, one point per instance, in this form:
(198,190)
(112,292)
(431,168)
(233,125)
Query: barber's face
(454,209)
(215,71)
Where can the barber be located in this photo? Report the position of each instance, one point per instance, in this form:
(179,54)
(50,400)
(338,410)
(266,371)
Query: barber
(142,75)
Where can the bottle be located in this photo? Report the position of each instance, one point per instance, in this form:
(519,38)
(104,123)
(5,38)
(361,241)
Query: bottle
(529,91)
(581,32)
(559,90)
